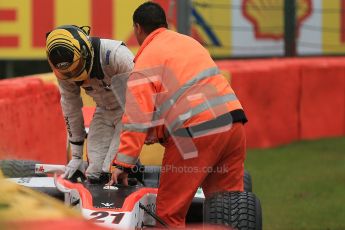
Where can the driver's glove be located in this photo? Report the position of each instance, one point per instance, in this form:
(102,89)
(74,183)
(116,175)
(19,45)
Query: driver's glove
(76,163)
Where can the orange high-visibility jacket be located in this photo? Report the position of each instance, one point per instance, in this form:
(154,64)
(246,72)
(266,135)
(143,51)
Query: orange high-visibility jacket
(174,84)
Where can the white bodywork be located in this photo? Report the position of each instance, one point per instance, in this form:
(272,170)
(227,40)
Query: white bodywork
(113,218)
(129,217)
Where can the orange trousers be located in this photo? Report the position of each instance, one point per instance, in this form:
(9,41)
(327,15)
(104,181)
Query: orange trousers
(219,166)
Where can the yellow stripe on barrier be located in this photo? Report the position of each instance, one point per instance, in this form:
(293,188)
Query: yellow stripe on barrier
(152,154)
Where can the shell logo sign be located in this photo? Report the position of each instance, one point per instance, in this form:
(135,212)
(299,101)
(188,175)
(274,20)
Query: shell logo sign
(268,16)
(334,22)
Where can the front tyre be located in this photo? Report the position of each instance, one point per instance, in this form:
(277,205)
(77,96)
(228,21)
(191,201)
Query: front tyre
(239,210)
(19,168)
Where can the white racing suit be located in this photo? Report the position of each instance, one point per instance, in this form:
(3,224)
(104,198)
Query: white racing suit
(111,58)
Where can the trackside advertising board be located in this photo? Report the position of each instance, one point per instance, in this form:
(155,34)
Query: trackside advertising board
(225,27)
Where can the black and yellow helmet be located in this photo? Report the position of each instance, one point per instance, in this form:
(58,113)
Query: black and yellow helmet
(70,53)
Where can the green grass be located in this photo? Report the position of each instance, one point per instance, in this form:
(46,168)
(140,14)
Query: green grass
(302,185)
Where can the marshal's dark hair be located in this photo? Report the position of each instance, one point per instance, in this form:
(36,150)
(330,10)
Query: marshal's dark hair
(150,16)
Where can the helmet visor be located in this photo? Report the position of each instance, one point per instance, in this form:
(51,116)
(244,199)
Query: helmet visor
(69,71)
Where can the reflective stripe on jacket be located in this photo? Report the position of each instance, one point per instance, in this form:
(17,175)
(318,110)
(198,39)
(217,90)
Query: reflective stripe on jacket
(175,83)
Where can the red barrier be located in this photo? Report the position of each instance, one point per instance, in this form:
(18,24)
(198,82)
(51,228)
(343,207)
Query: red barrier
(290,99)
(88,115)
(323,100)
(31,122)
(269,95)
(285,100)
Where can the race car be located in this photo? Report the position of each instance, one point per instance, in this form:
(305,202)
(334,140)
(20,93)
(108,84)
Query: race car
(133,206)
